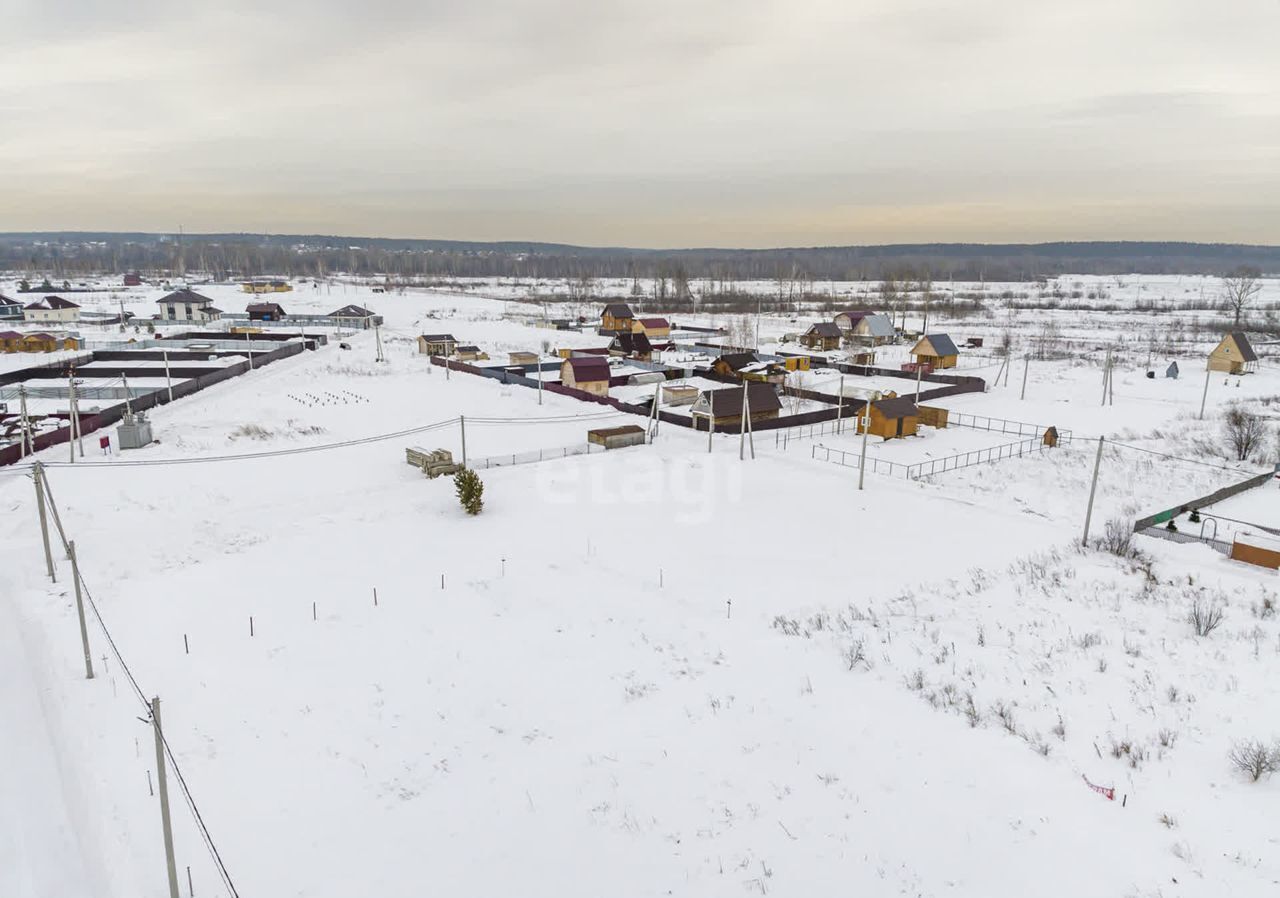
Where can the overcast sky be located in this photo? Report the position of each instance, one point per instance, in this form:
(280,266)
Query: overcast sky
(655,123)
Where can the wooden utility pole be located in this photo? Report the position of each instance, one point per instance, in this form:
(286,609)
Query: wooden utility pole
(1026,368)
(377,336)
(84,630)
(1106,376)
(1205,395)
(71,415)
(1093,488)
(168,381)
(462,424)
(866,426)
(162,776)
(38,474)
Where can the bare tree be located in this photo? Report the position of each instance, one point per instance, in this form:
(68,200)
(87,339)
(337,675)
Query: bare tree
(1244,430)
(1239,290)
(1252,758)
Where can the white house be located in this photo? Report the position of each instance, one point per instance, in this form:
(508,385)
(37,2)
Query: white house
(187,305)
(51,309)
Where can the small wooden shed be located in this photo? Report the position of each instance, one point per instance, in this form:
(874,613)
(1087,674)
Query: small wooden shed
(1051,437)
(587,373)
(653,328)
(679,394)
(731,363)
(823,335)
(725,406)
(936,350)
(617,437)
(1256,548)
(1234,355)
(522,358)
(437,344)
(932,415)
(892,418)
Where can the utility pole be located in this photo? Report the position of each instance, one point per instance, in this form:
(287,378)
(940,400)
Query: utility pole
(38,473)
(71,415)
(462,423)
(1026,367)
(866,426)
(84,630)
(758,301)
(128,407)
(1204,396)
(657,400)
(1093,488)
(249,343)
(162,777)
(840,407)
(1106,376)
(168,381)
(539,379)
(28,444)
(711,419)
(377,337)
(742,426)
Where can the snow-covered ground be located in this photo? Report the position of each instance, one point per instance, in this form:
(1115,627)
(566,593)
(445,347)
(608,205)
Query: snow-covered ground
(648,671)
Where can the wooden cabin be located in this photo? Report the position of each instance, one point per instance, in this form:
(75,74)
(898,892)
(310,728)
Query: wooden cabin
(631,345)
(1050,438)
(865,328)
(437,344)
(892,418)
(933,416)
(12,341)
(9,341)
(1234,355)
(824,335)
(470,354)
(266,287)
(653,328)
(616,317)
(936,350)
(265,311)
(522,358)
(589,373)
(725,405)
(731,363)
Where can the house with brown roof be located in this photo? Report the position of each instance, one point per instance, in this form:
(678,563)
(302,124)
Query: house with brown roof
(892,418)
(437,344)
(10,309)
(653,328)
(617,316)
(1234,355)
(589,373)
(265,311)
(725,406)
(731,363)
(631,345)
(187,305)
(824,335)
(51,309)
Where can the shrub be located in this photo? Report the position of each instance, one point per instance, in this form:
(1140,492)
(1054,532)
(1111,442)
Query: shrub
(1204,619)
(1244,431)
(1117,538)
(1254,759)
(470,490)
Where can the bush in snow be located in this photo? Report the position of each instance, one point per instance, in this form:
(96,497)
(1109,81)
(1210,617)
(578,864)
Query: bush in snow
(1254,759)
(1244,431)
(1204,619)
(470,490)
(1117,538)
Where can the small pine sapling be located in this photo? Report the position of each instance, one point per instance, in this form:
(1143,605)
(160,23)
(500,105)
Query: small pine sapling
(470,490)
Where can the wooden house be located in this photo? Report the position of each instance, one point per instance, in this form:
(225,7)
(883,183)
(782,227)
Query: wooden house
(616,317)
(731,363)
(133,279)
(937,351)
(769,372)
(653,328)
(631,345)
(617,437)
(522,358)
(265,311)
(1234,355)
(824,335)
(266,286)
(11,341)
(848,320)
(933,416)
(589,373)
(437,344)
(725,406)
(1050,438)
(892,418)
(469,354)
(356,316)
(874,329)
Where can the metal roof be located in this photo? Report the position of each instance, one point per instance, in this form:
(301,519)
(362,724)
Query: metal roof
(1242,344)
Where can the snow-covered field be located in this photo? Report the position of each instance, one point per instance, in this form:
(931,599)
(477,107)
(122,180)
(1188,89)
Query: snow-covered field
(642,672)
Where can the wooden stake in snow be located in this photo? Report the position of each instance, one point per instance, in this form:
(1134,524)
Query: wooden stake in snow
(186,645)
(251,625)
(728,610)
(375,597)
(313,610)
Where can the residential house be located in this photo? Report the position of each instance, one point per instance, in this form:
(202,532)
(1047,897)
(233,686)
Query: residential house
(11,341)
(848,320)
(187,305)
(275,286)
(437,344)
(589,373)
(725,406)
(616,317)
(870,329)
(731,363)
(10,309)
(823,336)
(892,418)
(1234,355)
(356,316)
(469,354)
(653,328)
(133,280)
(769,372)
(631,345)
(265,311)
(936,350)
(51,309)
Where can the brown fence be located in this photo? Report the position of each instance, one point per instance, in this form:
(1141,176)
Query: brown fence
(108,416)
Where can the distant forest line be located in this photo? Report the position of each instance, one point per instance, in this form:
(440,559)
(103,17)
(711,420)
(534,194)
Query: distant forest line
(69,254)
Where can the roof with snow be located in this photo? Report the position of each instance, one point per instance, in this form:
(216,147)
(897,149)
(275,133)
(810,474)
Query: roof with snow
(629,342)
(878,325)
(6,301)
(266,307)
(52,303)
(438,338)
(352,311)
(737,360)
(187,295)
